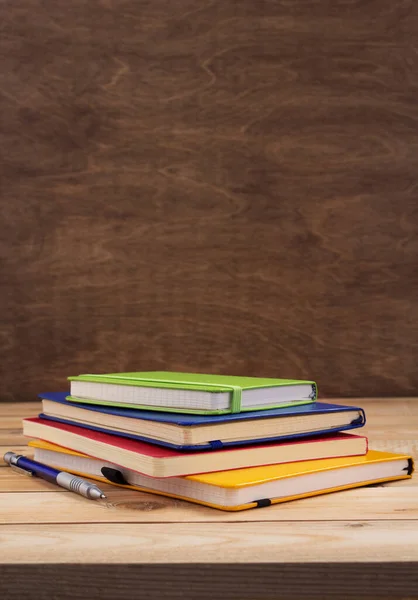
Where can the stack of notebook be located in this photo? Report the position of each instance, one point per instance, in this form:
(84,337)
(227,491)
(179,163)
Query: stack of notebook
(228,442)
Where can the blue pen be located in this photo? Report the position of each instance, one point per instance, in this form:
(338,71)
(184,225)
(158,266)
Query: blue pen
(66,480)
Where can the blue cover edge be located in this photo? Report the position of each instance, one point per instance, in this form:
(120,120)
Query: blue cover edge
(187,420)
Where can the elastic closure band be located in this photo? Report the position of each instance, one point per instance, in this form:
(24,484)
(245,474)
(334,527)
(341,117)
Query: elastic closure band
(216,444)
(263,502)
(113,475)
(236,399)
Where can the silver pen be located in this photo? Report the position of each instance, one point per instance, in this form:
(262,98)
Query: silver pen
(70,482)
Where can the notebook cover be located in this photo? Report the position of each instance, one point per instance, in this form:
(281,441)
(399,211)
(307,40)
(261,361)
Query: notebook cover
(152,450)
(189,420)
(257,475)
(112,440)
(192,381)
(195,420)
(249,476)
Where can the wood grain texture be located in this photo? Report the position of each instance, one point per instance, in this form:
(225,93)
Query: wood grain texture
(390,502)
(391,426)
(388,428)
(363,542)
(320,581)
(209,186)
(177,543)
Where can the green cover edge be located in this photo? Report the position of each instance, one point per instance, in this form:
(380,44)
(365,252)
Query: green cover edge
(201,385)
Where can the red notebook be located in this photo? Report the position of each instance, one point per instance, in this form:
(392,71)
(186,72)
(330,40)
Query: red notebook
(157,461)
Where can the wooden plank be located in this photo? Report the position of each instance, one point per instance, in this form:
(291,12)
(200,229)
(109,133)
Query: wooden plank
(379,420)
(10,422)
(296,251)
(271,542)
(25,450)
(13,482)
(19,409)
(374,503)
(351,530)
(12,438)
(395,445)
(205,581)
(384,431)
(373,403)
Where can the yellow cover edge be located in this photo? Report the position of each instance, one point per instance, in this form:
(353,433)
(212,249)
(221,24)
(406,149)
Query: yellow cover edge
(225,478)
(41,444)
(243,506)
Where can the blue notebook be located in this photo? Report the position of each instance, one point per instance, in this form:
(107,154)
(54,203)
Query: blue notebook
(204,432)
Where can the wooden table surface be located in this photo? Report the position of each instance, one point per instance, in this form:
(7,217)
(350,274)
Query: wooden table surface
(364,539)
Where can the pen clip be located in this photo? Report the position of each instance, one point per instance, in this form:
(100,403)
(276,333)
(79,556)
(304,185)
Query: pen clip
(21,471)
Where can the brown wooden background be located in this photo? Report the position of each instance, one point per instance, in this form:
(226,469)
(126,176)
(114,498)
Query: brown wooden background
(220,186)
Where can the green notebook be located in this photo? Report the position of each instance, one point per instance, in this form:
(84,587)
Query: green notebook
(190,392)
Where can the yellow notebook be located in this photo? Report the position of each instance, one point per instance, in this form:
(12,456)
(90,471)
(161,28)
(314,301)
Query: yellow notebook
(241,489)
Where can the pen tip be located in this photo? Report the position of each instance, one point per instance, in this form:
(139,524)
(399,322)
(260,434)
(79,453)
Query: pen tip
(102,496)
